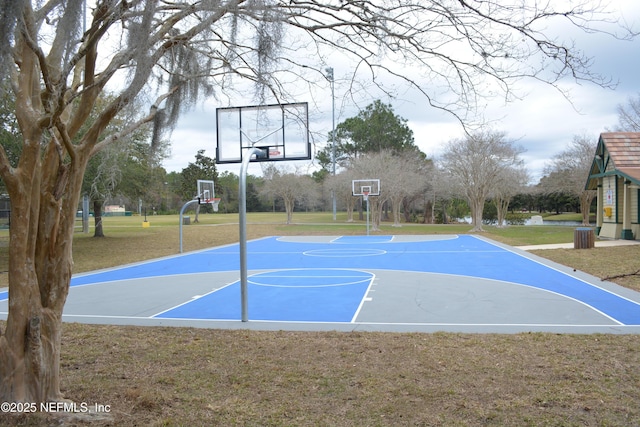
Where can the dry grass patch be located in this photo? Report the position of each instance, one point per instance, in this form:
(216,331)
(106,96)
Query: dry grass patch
(604,262)
(187,377)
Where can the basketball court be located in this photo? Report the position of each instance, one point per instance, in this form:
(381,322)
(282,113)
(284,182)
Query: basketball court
(462,283)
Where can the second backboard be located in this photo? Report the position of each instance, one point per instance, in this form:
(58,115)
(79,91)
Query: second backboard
(365,187)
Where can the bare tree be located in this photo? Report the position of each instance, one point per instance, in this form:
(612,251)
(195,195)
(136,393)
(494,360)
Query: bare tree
(510,182)
(629,116)
(440,190)
(475,165)
(168,54)
(569,170)
(420,191)
(402,178)
(399,176)
(372,166)
(340,184)
(291,187)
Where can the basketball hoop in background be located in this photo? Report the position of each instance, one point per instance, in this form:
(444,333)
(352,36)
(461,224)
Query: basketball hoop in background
(205,195)
(365,188)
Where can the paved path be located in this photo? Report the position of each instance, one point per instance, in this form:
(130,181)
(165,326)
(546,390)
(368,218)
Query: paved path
(598,244)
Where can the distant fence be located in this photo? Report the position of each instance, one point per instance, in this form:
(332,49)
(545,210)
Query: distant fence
(125,213)
(82,215)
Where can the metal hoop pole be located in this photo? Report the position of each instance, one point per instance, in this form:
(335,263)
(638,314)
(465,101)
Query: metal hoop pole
(182,212)
(242,201)
(367,199)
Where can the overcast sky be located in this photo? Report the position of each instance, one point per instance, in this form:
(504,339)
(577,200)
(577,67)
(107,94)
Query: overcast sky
(543,122)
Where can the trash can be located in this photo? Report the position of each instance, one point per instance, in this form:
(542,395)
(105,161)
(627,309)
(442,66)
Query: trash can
(584,238)
(186,220)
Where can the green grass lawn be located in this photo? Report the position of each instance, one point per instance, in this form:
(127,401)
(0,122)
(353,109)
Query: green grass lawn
(566,217)
(322,222)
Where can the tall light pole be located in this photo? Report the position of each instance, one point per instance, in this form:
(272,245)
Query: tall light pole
(329,71)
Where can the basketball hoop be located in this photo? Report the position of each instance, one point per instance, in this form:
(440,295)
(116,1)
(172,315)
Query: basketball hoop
(205,195)
(366,188)
(214,203)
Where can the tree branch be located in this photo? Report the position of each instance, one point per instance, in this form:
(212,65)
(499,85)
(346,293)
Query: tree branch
(619,276)
(128,130)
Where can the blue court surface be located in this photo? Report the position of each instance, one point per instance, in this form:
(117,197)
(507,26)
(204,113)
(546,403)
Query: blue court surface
(388,283)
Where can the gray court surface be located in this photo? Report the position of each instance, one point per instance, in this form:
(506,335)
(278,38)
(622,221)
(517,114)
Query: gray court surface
(418,284)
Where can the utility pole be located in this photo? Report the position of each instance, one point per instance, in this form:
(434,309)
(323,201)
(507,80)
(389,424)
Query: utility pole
(329,75)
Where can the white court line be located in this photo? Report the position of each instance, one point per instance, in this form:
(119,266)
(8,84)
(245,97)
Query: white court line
(269,275)
(333,285)
(562,272)
(196,297)
(507,282)
(307,276)
(362,301)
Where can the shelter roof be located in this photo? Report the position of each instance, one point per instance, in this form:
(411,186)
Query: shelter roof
(622,151)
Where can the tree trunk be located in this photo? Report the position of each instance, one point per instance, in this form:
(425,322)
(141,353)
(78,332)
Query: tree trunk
(477,207)
(428,211)
(288,206)
(197,213)
(395,208)
(445,219)
(44,197)
(97,218)
(406,209)
(375,212)
(586,197)
(350,202)
(502,207)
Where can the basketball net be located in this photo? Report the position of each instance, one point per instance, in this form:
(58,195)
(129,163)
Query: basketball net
(214,202)
(365,195)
